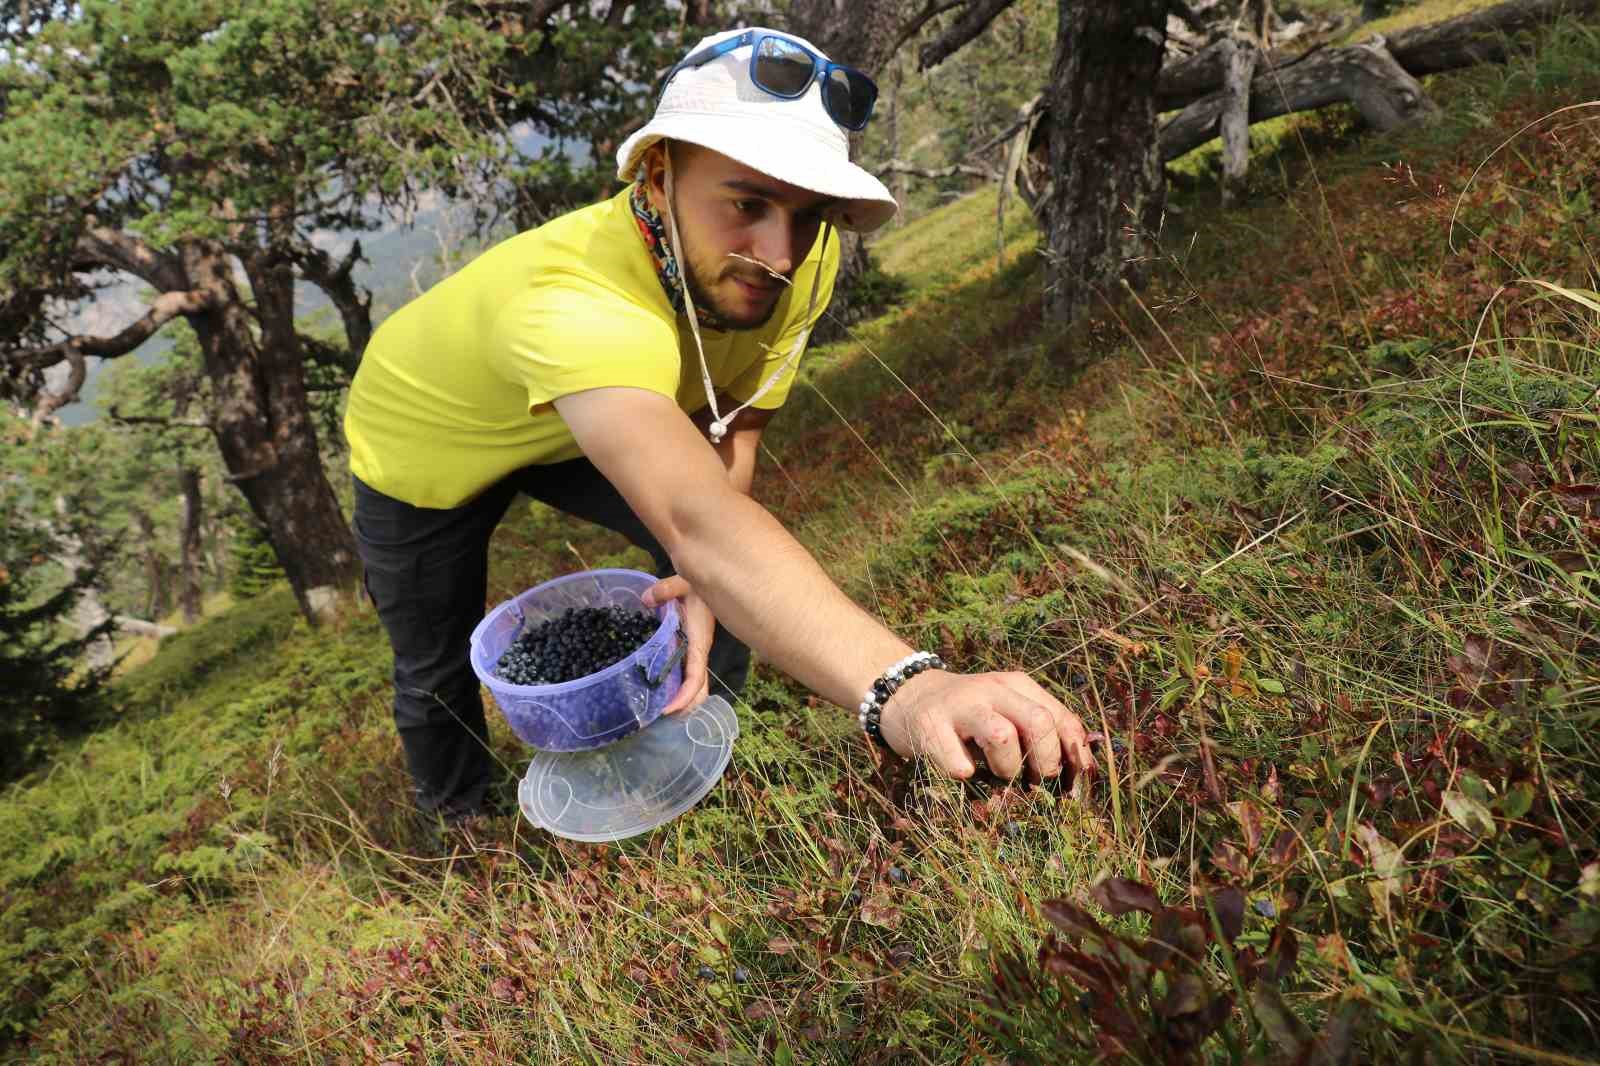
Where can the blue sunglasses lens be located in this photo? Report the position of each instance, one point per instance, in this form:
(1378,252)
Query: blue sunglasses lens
(849,97)
(782,67)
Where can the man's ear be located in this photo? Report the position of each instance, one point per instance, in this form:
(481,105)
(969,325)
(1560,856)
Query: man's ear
(655,176)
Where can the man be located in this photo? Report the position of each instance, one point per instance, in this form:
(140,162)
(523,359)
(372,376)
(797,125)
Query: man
(619,363)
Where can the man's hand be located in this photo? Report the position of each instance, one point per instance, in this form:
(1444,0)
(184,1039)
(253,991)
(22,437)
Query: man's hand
(1007,715)
(699,625)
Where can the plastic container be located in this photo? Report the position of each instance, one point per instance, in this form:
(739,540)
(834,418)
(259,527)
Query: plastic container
(591,711)
(635,785)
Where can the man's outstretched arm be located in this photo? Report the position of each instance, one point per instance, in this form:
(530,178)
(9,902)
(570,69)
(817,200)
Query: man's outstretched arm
(768,590)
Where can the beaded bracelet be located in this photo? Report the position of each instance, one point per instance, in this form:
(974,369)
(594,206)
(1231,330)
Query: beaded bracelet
(870,713)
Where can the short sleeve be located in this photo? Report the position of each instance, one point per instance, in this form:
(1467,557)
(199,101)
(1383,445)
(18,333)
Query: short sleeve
(792,336)
(558,339)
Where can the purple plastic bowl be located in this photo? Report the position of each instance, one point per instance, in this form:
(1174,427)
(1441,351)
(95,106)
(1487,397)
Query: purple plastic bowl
(591,711)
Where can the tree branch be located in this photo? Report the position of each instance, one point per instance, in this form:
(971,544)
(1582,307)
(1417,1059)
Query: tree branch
(153,420)
(103,246)
(162,310)
(933,10)
(141,627)
(973,21)
(897,166)
(322,353)
(354,304)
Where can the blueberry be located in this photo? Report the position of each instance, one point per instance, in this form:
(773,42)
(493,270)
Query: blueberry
(1013,828)
(740,975)
(854,898)
(897,875)
(706,973)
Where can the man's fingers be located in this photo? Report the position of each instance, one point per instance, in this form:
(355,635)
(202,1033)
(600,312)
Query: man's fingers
(1072,740)
(939,742)
(695,682)
(668,588)
(996,735)
(697,630)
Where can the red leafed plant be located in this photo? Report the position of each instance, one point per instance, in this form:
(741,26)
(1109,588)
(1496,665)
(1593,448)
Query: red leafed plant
(1159,997)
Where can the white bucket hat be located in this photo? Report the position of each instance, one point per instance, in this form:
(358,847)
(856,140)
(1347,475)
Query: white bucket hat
(716,106)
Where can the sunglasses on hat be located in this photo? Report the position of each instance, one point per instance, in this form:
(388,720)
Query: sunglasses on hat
(785,68)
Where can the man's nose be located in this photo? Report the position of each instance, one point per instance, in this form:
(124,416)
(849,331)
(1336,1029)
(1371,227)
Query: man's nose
(774,241)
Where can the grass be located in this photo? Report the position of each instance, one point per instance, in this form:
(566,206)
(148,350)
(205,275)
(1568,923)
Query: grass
(1307,531)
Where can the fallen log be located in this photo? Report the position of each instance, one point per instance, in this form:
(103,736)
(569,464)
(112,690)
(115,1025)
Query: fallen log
(1378,76)
(1477,37)
(142,628)
(1366,75)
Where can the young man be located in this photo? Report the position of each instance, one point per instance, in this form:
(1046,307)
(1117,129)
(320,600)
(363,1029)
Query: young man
(619,364)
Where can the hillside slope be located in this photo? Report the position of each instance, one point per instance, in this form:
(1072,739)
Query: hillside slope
(1308,532)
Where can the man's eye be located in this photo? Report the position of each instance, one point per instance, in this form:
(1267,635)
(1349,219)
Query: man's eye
(747,207)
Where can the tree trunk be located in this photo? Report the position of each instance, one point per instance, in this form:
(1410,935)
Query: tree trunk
(863,34)
(263,423)
(157,571)
(189,544)
(1107,186)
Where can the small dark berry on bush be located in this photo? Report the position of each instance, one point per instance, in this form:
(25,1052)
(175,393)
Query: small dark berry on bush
(897,875)
(854,898)
(1013,828)
(740,975)
(706,973)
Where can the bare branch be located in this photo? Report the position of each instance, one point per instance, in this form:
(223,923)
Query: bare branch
(51,402)
(152,420)
(142,628)
(323,353)
(162,310)
(103,246)
(914,25)
(973,21)
(897,166)
(1365,75)
(354,304)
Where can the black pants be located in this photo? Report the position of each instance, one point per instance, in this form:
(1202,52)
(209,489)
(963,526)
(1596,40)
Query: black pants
(427,572)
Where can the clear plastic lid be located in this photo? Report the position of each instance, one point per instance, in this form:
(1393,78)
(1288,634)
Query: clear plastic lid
(642,781)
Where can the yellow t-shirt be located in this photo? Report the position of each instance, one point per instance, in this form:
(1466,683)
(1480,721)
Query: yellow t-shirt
(454,390)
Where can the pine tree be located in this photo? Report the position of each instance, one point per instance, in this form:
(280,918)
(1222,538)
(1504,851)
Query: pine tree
(254,567)
(45,694)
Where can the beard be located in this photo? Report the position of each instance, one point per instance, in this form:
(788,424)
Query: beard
(707,275)
(703,291)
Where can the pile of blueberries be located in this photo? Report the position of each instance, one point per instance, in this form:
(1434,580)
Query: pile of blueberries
(576,643)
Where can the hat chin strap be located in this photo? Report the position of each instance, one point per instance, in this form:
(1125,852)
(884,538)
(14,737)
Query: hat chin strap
(720,423)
